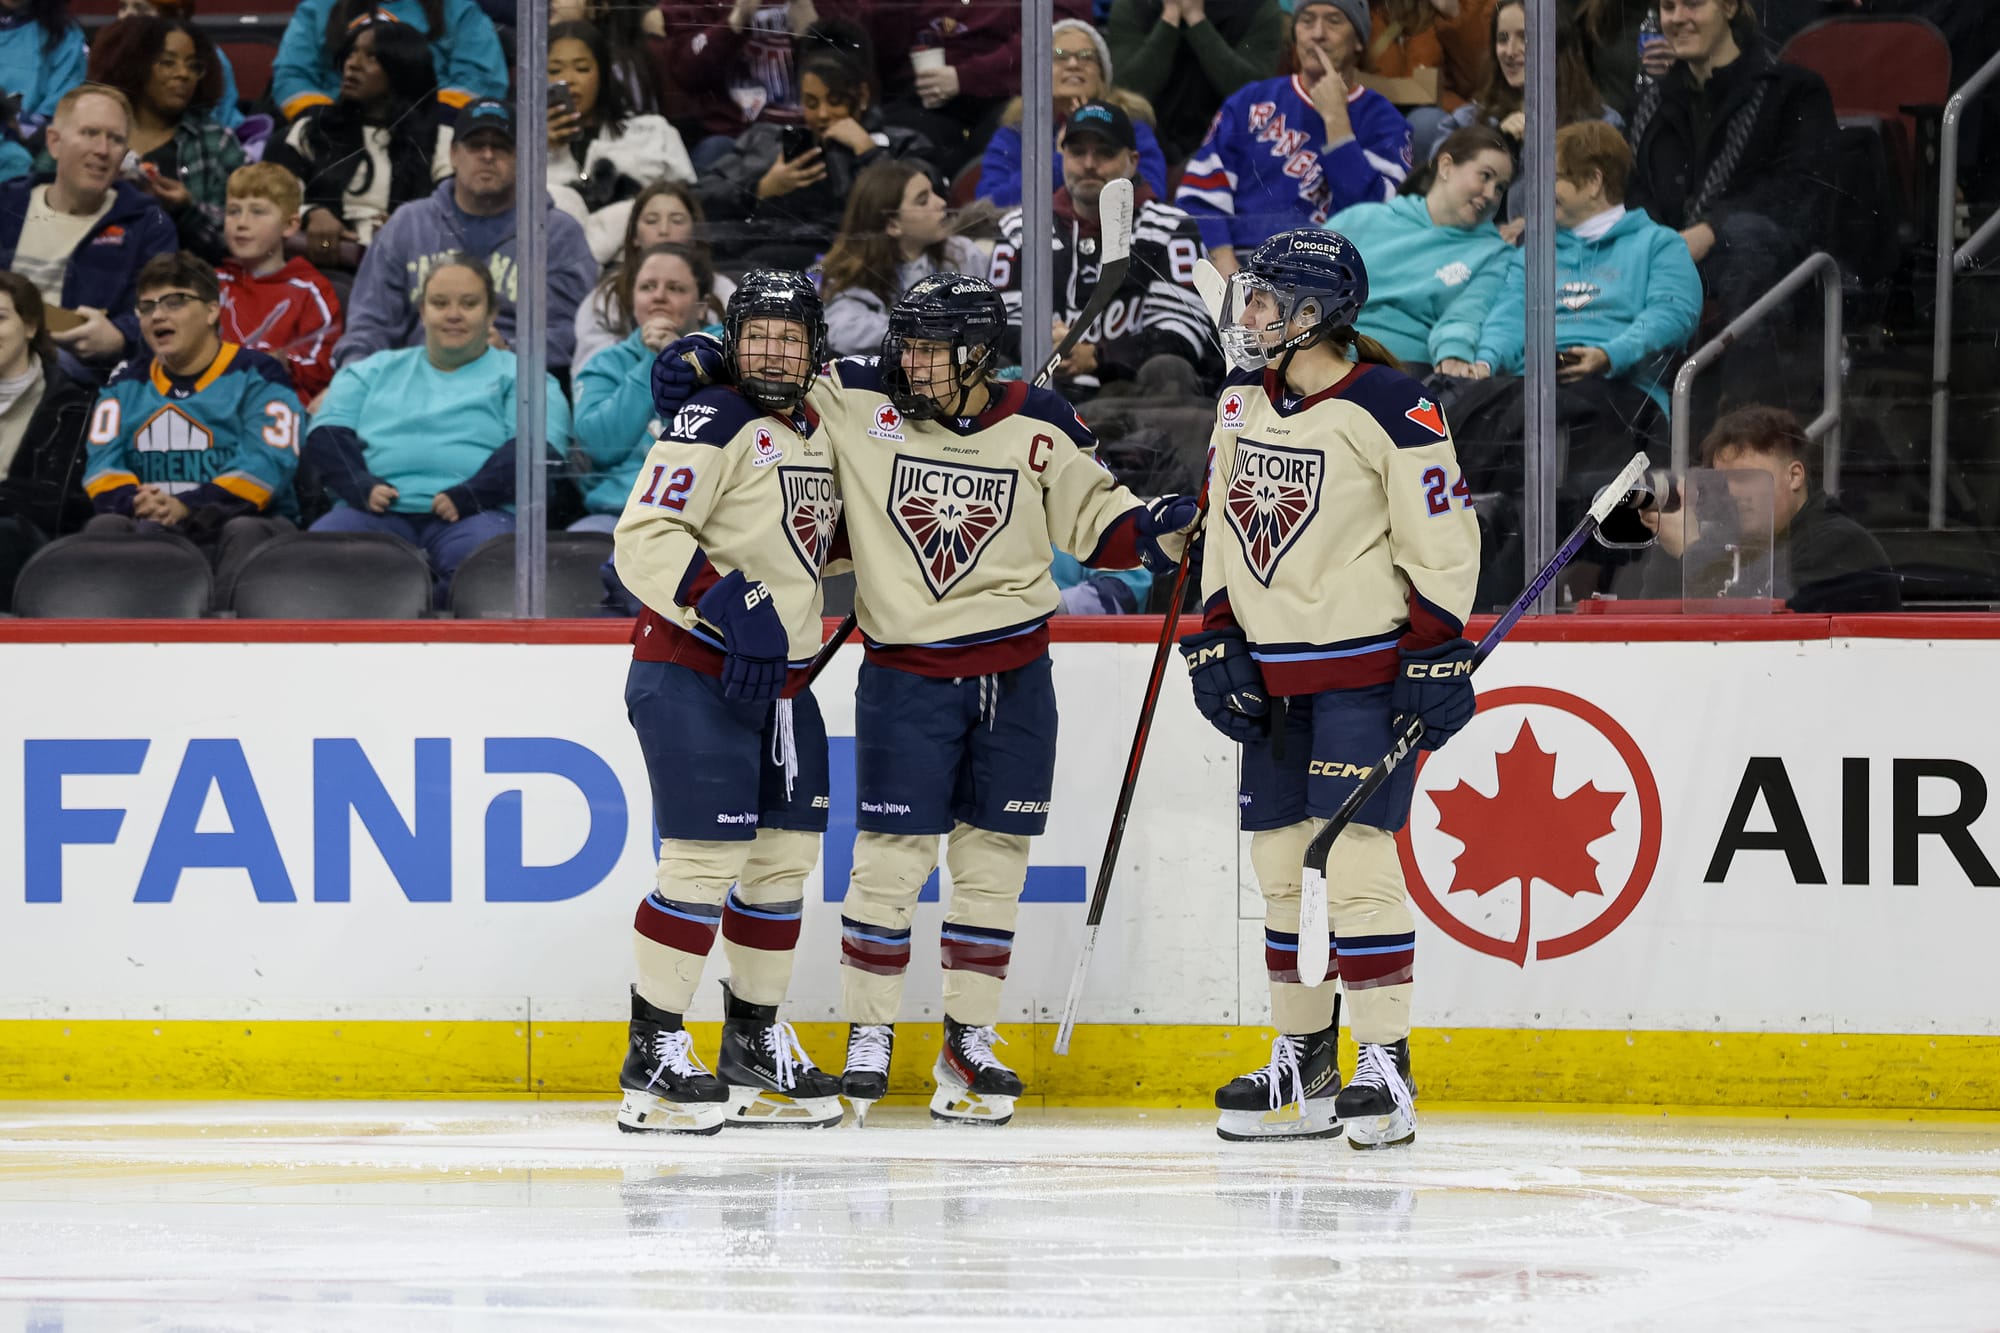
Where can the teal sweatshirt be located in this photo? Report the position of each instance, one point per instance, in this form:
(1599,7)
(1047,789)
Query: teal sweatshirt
(423,430)
(1428,286)
(615,422)
(39,79)
(1633,292)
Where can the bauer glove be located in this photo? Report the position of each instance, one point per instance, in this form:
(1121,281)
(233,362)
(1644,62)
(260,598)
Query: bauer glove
(682,367)
(1435,684)
(752,635)
(1228,684)
(1170,516)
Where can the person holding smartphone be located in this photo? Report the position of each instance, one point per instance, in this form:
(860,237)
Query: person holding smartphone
(599,146)
(779,196)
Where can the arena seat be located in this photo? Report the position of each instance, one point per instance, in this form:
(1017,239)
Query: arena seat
(334,576)
(155,576)
(483,588)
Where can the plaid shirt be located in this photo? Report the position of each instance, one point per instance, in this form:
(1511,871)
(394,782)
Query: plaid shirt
(202,154)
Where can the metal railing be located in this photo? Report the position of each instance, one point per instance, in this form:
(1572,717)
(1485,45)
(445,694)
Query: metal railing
(1950,262)
(1826,426)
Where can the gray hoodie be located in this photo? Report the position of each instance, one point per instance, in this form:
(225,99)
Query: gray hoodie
(382,309)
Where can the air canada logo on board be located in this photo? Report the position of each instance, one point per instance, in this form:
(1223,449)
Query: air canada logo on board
(948,513)
(1273,493)
(812,512)
(1536,831)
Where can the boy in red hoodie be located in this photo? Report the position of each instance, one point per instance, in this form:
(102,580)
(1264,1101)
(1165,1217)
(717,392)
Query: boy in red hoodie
(281,306)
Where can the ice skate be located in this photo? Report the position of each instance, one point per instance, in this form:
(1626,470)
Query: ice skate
(1380,1105)
(772,1081)
(865,1080)
(974,1088)
(667,1089)
(1292,1097)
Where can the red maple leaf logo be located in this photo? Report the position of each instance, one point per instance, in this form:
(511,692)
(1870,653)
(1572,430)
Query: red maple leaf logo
(1524,830)
(887,419)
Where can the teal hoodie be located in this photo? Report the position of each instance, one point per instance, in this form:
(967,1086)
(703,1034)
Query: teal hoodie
(1427,285)
(1633,292)
(615,422)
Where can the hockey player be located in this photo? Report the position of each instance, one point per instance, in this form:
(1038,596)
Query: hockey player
(1340,558)
(1157,312)
(956,485)
(729,524)
(1295,150)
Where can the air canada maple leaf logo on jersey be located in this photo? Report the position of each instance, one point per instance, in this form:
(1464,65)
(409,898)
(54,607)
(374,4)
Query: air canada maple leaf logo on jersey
(948,513)
(1273,493)
(1232,411)
(812,512)
(888,423)
(765,450)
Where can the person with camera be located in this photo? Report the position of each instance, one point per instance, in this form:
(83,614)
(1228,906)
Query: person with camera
(599,146)
(780,196)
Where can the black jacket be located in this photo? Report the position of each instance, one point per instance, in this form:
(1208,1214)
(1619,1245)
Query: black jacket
(44,484)
(1823,563)
(741,224)
(1759,137)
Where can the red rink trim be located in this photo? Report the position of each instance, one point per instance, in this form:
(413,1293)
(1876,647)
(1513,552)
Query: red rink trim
(1062,629)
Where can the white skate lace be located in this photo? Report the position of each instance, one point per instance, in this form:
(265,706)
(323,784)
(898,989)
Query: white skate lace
(674,1052)
(976,1045)
(1284,1066)
(1377,1065)
(868,1050)
(788,1058)
(784,748)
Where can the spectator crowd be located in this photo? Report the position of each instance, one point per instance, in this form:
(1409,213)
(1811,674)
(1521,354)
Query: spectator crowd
(232,318)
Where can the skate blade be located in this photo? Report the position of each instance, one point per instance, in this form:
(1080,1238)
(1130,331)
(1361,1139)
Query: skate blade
(643,1113)
(862,1106)
(1313,1120)
(962,1106)
(757,1108)
(1369,1132)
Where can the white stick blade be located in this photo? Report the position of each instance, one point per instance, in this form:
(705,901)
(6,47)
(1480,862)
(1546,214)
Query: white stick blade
(1315,940)
(1114,208)
(1074,999)
(1208,280)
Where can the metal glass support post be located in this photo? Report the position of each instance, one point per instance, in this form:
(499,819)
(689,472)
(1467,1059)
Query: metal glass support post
(1826,426)
(1539,459)
(1038,133)
(1954,113)
(531,320)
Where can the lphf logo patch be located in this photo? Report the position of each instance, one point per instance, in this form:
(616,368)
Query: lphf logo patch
(1428,415)
(1273,493)
(1537,830)
(690,419)
(1232,411)
(948,513)
(171,430)
(888,423)
(812,512)
(764,449)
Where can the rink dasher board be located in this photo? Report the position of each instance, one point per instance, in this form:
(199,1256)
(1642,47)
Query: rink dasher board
(1689,939)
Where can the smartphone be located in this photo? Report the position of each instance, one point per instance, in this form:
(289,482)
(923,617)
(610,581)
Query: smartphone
(1569,356)
(561,100)
(795,142)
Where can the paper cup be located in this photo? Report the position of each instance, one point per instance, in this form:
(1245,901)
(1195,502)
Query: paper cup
(927,57)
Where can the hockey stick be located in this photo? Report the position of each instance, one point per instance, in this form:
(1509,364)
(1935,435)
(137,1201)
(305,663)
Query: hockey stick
(1315,941)
(1115,839)
(1115,231)
(1208,280)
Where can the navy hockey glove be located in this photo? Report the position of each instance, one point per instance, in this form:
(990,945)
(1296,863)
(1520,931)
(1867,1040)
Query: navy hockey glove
(682,367)
(753,636)
(1168,516)
(1228,684)
(1435,684)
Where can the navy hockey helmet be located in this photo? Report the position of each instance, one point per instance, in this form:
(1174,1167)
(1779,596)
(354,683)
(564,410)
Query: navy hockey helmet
(1312,282)
(967,316)
(775,380)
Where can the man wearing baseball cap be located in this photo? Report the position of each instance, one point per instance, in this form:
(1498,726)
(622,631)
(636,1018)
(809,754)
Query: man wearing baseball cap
(472,213)
(1292,151)
(1157,311)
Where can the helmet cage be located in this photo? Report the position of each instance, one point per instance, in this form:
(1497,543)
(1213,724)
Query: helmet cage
(795,301)
(1252,339)
(968,363)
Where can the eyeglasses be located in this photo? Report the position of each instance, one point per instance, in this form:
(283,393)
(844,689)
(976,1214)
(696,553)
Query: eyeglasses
(172,64)
(1076,57)
(173,303)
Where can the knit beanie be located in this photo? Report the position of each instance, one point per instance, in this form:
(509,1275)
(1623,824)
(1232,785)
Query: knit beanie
(1096,40)
(1355,10)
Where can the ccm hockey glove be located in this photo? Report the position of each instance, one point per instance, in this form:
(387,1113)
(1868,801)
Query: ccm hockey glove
(1435,684)
(682,367)
(752,634)
(1228,685)
(1168,516)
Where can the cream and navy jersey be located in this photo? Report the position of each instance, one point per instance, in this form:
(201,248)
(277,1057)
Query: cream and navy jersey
(227,437)
(1339,528)
(728,488)
(951,521)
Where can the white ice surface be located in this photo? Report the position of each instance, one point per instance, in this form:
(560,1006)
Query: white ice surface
(228,1216)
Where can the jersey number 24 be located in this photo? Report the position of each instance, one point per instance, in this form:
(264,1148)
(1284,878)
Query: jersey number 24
(1440,490)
